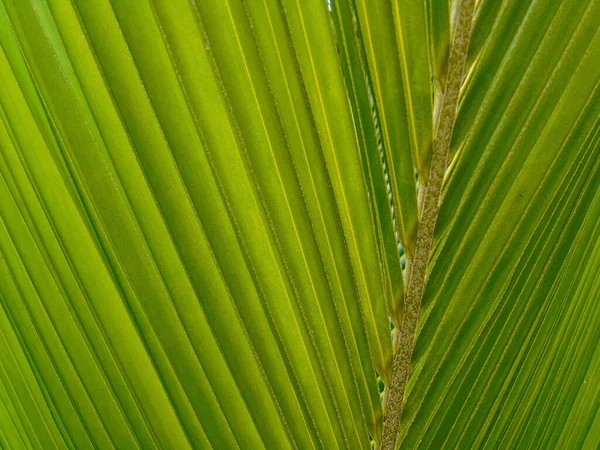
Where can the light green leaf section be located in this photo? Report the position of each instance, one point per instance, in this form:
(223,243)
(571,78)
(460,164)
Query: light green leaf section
(508,342)
(190,253)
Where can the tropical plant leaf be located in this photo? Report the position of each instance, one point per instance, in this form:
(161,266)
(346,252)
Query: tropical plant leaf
(511,234)
(225,227)
(200,210)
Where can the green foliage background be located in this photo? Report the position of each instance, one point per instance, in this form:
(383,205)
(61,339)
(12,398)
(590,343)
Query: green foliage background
(201,203)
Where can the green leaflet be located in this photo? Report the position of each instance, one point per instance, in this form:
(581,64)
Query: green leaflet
(532,177)
(359,90)
(180,193)
(386,60)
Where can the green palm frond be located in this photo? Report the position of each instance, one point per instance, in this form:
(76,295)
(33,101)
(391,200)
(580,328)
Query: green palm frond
(211,211)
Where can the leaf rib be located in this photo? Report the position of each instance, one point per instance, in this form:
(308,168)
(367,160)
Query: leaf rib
(418,271)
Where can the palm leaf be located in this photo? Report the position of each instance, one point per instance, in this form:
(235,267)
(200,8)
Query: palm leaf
(200,211)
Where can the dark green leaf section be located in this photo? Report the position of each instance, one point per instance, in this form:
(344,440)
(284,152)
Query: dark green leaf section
(190,256)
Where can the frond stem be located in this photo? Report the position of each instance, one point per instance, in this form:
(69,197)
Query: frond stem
(418,271)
